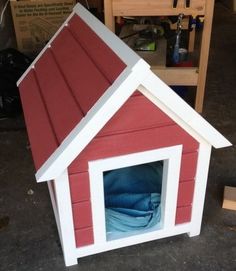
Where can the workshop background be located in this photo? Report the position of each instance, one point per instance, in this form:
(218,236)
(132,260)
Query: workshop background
(28,234)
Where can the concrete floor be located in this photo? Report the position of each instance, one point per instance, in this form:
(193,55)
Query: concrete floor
(28,235)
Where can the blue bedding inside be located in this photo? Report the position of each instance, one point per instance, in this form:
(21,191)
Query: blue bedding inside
(132,197)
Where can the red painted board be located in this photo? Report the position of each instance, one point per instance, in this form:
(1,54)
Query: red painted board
(104,58)
(137,113)
(188,166)
(61,105)
(41,135)
(82,214)
(137,141)
(185,193)
(79,187)
(84,237)
(81,73)
(183,214)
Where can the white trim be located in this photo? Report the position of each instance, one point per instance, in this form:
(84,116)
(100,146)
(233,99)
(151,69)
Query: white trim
(44,49)
(136,239)
(96,118)
(204,154)
(65,218)
(54,206)
(178,107)
(128,56)
(171,156)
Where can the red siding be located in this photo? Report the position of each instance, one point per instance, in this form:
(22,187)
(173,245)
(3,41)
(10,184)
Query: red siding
(185,193)
(79,187)
(183,214)
(133,130)
(84,237)
(82,214)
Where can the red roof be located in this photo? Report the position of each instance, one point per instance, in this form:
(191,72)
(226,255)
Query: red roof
(67,80)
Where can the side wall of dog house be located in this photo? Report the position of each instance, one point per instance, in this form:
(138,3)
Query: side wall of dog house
(138,126)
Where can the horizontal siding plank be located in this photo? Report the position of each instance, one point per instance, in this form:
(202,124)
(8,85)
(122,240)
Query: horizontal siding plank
(183,214)
(84,237)
(137,113)
(82,214)
(188,166)
(79,187)
(121,144)
(61,105)
(104,58)
(41,135)
(185,193)
(84,78)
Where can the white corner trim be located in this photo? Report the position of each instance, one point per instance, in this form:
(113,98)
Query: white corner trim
(65,218)
(204,154)
(161,93)
(96,118)
(171,156)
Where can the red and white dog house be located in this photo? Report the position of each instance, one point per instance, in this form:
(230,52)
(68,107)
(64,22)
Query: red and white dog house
(93,106)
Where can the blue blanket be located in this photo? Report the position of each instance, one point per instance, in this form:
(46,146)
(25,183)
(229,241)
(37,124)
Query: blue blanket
(132,197)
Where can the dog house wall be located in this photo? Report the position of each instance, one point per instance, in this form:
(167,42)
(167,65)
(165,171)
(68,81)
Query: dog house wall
(138,126)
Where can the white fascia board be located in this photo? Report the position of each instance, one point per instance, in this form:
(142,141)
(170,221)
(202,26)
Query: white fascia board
(45,48)
(125,53)
(108,104)
(184,112)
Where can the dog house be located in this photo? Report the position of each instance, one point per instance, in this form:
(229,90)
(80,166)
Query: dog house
(126,159)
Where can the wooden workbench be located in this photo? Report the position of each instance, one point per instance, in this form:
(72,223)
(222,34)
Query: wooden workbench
(194,76)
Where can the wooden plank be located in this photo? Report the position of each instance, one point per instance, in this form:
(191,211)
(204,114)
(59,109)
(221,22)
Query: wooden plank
(108,15)
(188,166)
(84,237)
(177,76)
(185,193)
(183,214)
(229,198)
(156,8)
(135,115)
(121,144)
(79,187)
(41,134)
(204,54)
(82,214)
(77,68)
(58,99)
(104,57)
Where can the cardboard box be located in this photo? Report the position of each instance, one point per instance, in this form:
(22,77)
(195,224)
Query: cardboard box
(35,22)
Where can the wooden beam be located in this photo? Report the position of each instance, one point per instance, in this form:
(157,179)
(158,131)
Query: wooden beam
(177,76)
(229,198)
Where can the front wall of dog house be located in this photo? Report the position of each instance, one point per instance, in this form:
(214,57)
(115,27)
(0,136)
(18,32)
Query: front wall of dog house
(138,126)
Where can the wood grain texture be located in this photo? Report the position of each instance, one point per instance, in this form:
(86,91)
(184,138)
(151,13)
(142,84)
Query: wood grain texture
(41,134)
(63,111)
(84,237)
(137,113)
(82,214)
(86,81)
(183,214)
(137,141)
(185,193)
(108,63)
(79,187)
(188,166)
